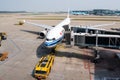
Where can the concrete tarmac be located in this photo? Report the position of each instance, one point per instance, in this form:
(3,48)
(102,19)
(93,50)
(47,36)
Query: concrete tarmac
(25,50)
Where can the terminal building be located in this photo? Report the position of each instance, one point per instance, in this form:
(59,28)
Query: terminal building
(100,12)
(79,12)
(103,12)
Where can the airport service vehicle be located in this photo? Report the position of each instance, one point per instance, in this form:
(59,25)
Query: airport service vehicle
(3,36)
(43,67)
(52,35)
(20,23)
(3,56)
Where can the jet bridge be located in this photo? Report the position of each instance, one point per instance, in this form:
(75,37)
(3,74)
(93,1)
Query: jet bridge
(100,40)
(67,35)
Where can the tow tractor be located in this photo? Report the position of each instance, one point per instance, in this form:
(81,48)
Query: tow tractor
(43,67)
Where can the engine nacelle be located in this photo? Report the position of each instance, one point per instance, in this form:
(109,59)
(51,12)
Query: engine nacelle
(43,34)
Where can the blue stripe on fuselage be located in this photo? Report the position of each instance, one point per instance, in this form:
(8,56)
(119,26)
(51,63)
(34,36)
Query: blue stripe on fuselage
(54,42)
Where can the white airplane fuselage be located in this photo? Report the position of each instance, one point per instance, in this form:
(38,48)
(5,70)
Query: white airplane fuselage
(55,35)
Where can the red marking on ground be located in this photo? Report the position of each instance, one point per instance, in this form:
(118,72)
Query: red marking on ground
(87,65)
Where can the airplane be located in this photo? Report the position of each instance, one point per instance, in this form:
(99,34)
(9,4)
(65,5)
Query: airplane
(53,35)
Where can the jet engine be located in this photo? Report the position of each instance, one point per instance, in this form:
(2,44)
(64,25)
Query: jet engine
(43,34)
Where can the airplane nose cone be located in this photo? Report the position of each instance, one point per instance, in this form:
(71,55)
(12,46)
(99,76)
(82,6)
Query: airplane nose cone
(49,44)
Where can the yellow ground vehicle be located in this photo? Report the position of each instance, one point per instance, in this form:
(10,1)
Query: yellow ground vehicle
(43,67)
(3,56)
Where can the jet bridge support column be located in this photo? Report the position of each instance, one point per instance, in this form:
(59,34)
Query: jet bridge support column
(97,55)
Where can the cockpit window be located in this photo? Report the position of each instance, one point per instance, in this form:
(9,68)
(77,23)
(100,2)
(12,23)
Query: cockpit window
(50,39)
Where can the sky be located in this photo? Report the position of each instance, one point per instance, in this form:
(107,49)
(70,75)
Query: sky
(57,5)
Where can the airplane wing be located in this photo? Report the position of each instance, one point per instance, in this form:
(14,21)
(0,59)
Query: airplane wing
(95,26)
(39,25)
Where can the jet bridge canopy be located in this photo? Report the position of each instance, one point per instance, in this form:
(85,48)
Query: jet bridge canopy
(101,40)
